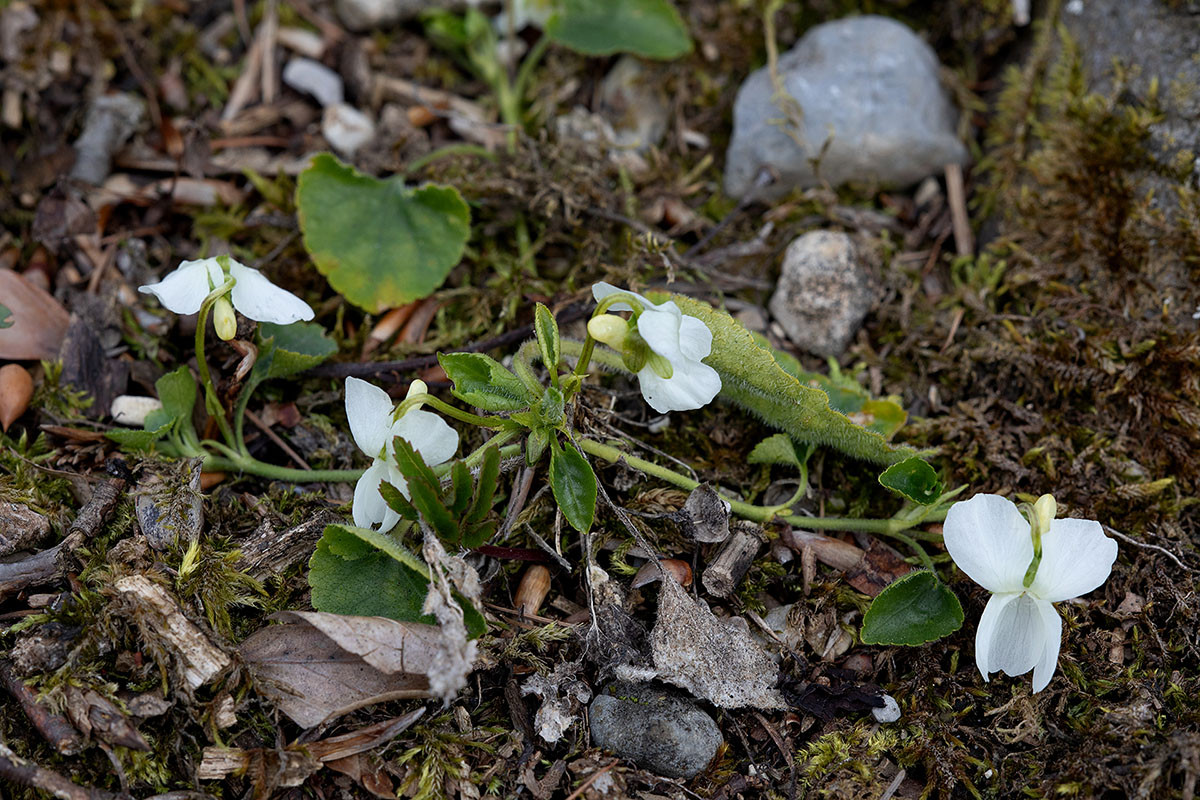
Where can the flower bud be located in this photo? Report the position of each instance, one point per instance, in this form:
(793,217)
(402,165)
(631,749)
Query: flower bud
(224,320)
(1044,511)
(610,329)
(417,387)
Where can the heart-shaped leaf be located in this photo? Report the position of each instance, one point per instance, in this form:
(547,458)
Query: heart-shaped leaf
(913,478)
(294,348)
(380,243)
(650,28)
(912,610)
(366,573)
(777,449)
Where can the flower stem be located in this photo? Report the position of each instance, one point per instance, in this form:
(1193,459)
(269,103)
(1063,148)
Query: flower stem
(476,455)
(885,527)
(211,402)
(451,411)
(253,466)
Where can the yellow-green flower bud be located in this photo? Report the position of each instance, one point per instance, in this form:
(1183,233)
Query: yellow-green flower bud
(1044,511)
(224,320)
(610,329)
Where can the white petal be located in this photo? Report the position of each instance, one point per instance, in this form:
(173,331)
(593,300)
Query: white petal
(369,410)
(185,288)
(428,434)
(692,385)
(261,300)
(1011,635)
(695,339)
(602,290)
(370,509)
(660,328)
(1076,558)
(1052,631)
(990,541)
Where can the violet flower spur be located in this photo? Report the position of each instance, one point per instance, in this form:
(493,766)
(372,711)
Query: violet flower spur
(184,289)
(663,346)
(373,424)
(1027,565)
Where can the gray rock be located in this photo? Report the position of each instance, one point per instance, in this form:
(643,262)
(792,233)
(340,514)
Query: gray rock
(169,506)
(872,105)
(656,729)
(823,293)
(633,102)
(890,711)
(1160,43)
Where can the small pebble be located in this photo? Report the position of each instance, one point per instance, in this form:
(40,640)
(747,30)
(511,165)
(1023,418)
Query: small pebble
(314,78)
(890,711)
(346,129)
(132,410)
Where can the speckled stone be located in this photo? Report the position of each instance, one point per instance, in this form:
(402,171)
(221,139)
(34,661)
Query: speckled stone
(824,292)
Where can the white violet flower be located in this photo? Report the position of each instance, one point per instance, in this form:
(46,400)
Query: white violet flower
(995,545)
(663,346)
(184,290)
(374,426)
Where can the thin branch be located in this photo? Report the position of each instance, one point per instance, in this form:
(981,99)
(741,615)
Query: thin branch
(1148,546)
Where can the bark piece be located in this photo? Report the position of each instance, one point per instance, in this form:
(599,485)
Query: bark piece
(21,528)
(26,773)
(729,567)
(48,565)
(705,515)
(270,551)
(54,728)
(160,618)
(97,716)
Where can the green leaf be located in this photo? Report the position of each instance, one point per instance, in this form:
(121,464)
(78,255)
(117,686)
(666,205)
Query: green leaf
(650,28)
(363,572)
(752,378)
(425,491)
(177,392)
(137,440)
(550,408)
(5,317)
(535,445)
(397,501)
(484,383)
(485,486)
(883,416)
(913,478)
(379,243)
(777,449)
(294,348)
(574,486)
(460,481)
(546,328)
(912,610)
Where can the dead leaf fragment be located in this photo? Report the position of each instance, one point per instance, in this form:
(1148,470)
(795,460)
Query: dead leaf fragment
(39,322)
(714,661)
(16,390)
(563,693)
(318,666)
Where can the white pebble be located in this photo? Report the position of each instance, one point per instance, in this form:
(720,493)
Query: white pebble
(890,711)
(346,129)
(132,410)
(313,77)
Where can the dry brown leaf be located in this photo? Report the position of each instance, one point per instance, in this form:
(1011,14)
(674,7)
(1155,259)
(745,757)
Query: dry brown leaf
(16,390)
(39,322)
(318,666)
